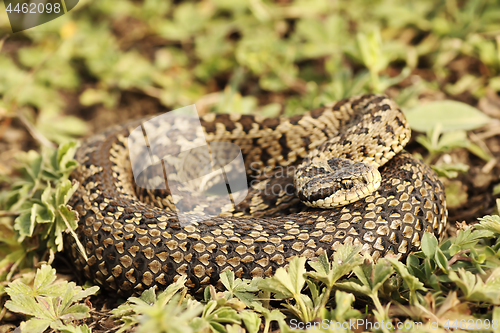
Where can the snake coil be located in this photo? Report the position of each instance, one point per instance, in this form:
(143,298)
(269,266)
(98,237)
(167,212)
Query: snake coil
(133,241)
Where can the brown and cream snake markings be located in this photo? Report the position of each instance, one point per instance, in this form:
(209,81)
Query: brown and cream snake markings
(133,241)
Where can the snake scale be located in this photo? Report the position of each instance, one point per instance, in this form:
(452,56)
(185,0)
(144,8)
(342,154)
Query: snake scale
(133,245)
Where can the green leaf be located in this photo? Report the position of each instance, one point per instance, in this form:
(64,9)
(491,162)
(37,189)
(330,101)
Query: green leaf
(35,325)
(287,284)
(410,281)
(383,270)
(224,315)
(442,261)
(450,170)
(490,223)
(429,244)
(64,191)
(64,157)
(156,309)
(243,289)
(452,116)
(72,329)
(47,301)
(24,223)
(467,239)
(44,278)
(60,128)
(274,315)
(251,320)
(32,164)
(345,258)
(343,310)
(370,48)
(95,96)
(475,289)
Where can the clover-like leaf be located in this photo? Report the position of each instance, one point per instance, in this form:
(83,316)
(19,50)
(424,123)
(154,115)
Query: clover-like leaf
(345,259)
(467,239)
(43,300)
(475,289)
(131,312)
(242,289)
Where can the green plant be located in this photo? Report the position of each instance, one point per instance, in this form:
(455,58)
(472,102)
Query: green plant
(39,200)
(48,303)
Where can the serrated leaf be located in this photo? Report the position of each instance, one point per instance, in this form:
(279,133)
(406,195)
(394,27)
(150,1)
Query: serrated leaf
(32,165)
(43,278)
(242,289)
(288,284)
(225,315)
(467,239)
(70,216)
(44,302)
(43,213)
(345,259)
(251,320)
(35,325)
(64,156)
(24,224)
(75,312)
(475,289)
(147,297)
(383,270)
(64,191)
(490,223)
(227,279)
(23,304)
(67,297)
(72,329)
(354,287)
(452,115)
(269,315)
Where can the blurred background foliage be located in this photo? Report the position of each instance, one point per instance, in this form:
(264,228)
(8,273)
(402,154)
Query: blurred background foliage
(273,58)
(110,60)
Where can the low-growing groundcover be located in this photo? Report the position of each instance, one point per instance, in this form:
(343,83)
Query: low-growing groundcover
(107,61)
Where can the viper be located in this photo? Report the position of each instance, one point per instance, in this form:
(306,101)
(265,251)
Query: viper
(344,178)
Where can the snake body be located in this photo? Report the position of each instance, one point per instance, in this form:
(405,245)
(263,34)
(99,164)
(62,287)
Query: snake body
(134,242)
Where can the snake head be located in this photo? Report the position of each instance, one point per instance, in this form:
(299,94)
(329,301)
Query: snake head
(336,182)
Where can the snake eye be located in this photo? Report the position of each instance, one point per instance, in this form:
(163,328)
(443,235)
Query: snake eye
(347,184)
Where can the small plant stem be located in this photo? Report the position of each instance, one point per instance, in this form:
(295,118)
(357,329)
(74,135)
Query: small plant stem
(303,308)
(7,213)
(380,309)
(325,298)
(73,233)
(375,81)
(266,326)
(34,132)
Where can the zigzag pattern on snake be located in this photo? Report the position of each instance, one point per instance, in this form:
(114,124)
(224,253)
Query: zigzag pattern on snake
(133,245)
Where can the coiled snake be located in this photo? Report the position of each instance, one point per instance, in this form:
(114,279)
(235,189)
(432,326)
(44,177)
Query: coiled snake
(133,245)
